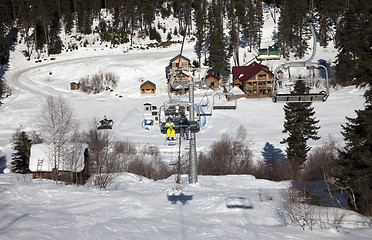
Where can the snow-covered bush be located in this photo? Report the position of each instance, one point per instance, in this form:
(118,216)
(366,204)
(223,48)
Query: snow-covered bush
(99,82)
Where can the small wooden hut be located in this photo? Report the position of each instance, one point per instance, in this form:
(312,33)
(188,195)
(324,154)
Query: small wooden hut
(212,81)
(75,85)
(148,87)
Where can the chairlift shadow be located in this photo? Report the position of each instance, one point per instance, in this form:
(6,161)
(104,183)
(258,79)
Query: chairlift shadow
(239,202)
(174,198)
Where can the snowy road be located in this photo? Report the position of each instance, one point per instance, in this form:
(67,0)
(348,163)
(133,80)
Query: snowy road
(20,80)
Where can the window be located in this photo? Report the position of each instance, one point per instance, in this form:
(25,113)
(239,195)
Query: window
(262,76)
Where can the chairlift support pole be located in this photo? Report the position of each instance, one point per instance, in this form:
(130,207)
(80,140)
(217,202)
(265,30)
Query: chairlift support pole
(193,162)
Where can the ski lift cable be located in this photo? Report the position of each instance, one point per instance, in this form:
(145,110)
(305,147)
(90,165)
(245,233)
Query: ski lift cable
(188,13)
(179,68)
(205,94)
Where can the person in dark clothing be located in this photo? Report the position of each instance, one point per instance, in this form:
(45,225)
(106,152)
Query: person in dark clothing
(184,127)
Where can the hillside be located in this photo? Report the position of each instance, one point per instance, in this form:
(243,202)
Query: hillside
(134,207)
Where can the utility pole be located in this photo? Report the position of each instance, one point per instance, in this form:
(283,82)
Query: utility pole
(193,162)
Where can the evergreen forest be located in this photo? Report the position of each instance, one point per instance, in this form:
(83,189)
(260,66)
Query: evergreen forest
(215,24)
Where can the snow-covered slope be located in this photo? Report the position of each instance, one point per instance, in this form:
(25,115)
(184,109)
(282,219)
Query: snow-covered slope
(219,207)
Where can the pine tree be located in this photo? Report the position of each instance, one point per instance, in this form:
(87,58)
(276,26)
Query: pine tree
(301,126)
(248,27)
(347,44)
(21,156)
(5,20)
(148,12)
(355,159)
(218,59)
(232,25)
(293,27)
(200,21)
(259,22)
(67,11)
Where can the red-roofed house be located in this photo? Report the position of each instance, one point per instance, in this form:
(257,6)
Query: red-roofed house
(255,80)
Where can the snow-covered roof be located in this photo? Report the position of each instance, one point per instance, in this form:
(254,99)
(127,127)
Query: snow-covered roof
(236,90)
(187,73)
(72,158)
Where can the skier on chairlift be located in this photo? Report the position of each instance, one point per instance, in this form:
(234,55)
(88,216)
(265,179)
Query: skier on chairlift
(170,129)
(184,127)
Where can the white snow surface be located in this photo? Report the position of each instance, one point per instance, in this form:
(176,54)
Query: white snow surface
(217,207)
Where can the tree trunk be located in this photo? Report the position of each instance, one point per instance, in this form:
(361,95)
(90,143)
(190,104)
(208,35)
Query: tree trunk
(46,35)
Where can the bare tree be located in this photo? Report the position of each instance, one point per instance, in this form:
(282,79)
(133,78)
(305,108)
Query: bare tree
(59,128)
(228,156)
(126,152)
(105,163)
(321,162)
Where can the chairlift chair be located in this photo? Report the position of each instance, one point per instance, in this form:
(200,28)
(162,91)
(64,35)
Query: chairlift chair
(105,124)
(306,97)
(229,104)
(175,110)
(205,108)
(320,96)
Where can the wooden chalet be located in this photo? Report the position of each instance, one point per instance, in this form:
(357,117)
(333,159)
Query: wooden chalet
(148,87)
(178,72)
(212,81)
(255,80)
(73,166)
(74,85)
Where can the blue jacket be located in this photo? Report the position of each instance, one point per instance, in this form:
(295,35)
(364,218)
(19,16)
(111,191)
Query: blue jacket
(184,122)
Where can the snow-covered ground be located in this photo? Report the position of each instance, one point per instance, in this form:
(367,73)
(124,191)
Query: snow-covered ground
(218,207)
